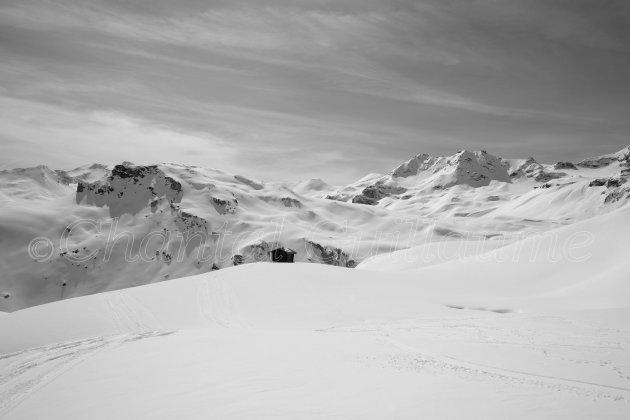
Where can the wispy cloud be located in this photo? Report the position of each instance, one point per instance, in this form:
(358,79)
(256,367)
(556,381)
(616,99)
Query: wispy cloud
(351,84)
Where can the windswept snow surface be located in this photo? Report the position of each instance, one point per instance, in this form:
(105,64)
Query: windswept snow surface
(510,332)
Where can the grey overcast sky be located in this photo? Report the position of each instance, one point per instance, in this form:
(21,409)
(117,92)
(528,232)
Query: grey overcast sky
(293,89)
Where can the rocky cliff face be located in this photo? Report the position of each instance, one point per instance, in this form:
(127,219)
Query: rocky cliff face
(534,170)
(129,189)
(463,168)
(622,157)
(328,255)
(417,164)
(225,205)
(424,172)
(372,194)
(476,169)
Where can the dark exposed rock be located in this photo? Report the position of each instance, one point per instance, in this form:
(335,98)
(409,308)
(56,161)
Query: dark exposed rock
(258,252)
(544,176)
(623,157)
(372,194)
(597,162)
(174,185)
(123,171)
(187,222)
(291,202)
(237,259)
(615,182)
(477,169)
(362,199)
(227,206)
(617,195)
(328,255)
(607,182)
(564,165)
(166,257)
(532,169)
(129,189)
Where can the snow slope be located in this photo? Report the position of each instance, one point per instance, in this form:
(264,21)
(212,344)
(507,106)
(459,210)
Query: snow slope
(476,338)
(479,184)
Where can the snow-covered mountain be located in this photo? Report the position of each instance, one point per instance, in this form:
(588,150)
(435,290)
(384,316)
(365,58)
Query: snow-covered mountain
(483,287)
(475,174)
(97,228)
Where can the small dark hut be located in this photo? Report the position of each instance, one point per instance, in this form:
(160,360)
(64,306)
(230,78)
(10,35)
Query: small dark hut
(282,254)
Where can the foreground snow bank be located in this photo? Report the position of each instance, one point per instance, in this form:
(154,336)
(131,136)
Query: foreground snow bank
(474,338)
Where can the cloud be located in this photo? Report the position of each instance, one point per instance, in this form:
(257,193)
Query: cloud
(64,139)
(321,87)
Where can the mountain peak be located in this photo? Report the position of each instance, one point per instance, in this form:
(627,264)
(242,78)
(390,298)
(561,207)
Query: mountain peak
(622,156)
(418,163)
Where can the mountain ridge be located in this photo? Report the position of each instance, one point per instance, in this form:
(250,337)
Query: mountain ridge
(111,227)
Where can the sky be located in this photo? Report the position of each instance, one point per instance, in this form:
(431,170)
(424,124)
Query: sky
(295,89)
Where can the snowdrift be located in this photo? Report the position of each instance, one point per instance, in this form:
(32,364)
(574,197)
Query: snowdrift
(504,338)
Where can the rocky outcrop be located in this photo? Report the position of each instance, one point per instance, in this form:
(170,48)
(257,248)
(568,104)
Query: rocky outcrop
(534,170)
(237,259)
(564,165)
(622,156)
(129,189)
(476,169)
(257,252)
(328,255)
(188,222)
(372,194)
(417,164)
(617,195)
(224,206)
(607,182)
(291,202)
(596,162)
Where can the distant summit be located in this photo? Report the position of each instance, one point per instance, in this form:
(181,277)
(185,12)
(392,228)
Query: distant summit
(425,173)
(465,167)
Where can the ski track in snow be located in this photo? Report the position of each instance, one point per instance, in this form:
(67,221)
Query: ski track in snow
(412,358)
(129,315)
(36,368)
(28,371)
(218,304)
